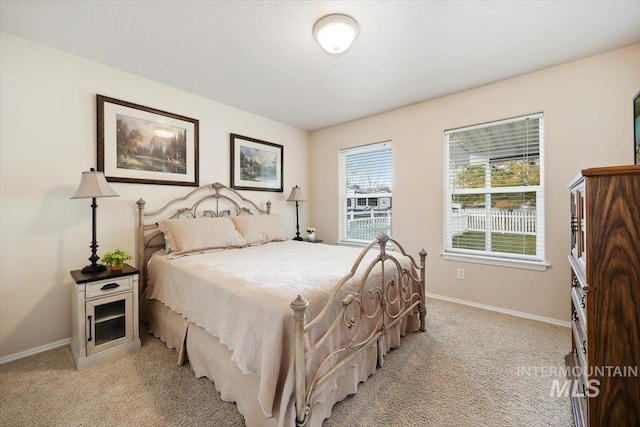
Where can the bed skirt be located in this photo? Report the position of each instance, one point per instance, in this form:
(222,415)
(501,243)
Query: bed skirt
(209,358)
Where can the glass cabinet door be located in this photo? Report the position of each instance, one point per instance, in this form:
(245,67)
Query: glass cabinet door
(109,322)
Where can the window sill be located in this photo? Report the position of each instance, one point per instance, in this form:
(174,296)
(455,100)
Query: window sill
(501,262)
(389,246)
(352,244)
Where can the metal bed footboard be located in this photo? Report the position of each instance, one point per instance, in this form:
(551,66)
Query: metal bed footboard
(367,313)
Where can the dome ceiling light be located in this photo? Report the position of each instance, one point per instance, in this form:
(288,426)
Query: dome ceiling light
(335,33)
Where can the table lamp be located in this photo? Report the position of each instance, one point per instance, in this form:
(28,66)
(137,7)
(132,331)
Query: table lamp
(93,185)
(296,196)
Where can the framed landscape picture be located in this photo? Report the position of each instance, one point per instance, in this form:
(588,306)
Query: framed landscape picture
(636,127)
(256,165)
(143,145)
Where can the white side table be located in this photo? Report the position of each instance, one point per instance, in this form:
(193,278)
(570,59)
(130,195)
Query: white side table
(105,315)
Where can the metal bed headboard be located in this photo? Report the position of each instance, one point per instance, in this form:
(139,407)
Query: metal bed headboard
(212,200)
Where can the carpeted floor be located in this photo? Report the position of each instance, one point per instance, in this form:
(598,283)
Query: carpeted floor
(471,368)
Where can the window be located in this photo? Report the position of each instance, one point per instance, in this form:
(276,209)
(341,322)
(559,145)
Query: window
(494,206)
(365,184)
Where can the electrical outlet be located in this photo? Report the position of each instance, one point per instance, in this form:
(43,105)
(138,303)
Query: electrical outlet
(461,273)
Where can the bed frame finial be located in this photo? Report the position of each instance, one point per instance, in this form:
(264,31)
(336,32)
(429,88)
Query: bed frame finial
(299,304)
(217,186)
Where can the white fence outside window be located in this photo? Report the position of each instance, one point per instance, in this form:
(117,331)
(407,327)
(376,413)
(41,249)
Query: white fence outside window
(502,220)
(367,225)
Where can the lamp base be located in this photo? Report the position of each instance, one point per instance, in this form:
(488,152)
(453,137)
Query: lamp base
(298,238)
(94,268)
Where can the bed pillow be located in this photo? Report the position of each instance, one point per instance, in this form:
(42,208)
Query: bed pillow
(258,229)
(196,235)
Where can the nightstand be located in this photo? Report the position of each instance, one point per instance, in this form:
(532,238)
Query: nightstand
(314,241)
(105,315)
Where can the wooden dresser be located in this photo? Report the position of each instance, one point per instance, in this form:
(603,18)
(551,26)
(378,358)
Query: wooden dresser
(605,297)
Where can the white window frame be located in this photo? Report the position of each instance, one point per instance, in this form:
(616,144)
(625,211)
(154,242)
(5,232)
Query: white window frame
(531,262)
(342,192)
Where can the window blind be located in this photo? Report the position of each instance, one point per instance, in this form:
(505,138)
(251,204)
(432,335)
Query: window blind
(365,192)
(494,202)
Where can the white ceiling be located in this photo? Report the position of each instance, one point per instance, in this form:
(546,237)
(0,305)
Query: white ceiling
(260,56)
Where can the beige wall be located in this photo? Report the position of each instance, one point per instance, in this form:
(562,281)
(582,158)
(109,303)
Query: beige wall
(48,128)
(587,108)
(48,137)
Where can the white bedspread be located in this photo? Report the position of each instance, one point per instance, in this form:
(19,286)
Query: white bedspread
(242,297)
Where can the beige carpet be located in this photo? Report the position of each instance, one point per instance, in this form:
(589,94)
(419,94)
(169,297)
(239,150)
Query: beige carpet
(466,370)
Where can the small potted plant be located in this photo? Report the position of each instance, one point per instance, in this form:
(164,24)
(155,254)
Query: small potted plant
(115,259)
(311,233)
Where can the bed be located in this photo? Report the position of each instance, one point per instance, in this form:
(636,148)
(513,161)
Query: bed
(283,328)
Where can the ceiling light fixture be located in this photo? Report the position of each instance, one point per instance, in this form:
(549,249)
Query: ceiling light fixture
(335,33)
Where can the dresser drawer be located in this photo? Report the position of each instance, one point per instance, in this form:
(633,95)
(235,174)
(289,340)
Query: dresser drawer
(577,389)
(108,286)
(578,375)
(579,305)
(577,279)
(580,348)
(576,317)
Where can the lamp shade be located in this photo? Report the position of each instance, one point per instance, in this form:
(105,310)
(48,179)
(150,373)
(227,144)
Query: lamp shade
(296,195)
(335,33)
(93,184)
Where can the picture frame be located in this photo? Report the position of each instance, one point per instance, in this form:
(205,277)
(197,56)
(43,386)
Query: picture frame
(256,165)
(143,145)
(636,128)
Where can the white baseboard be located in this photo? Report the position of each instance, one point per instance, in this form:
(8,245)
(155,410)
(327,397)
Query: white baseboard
(36,350)
(502,310)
